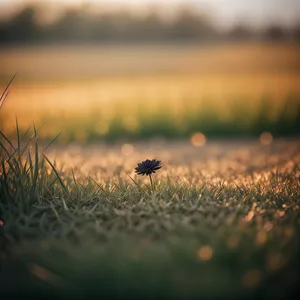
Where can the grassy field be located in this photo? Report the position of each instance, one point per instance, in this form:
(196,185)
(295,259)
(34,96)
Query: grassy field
(132,92)
(222,219)
(222,222)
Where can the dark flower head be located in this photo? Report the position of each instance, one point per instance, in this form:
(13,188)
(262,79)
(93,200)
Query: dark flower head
(148,167)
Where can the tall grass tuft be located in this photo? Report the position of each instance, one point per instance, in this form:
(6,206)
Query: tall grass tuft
(24,177)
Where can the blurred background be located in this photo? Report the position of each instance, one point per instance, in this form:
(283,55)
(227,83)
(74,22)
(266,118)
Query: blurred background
(137,69)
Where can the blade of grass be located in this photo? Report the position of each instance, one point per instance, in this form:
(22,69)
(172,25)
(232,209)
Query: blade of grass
(98,185)
(36,166)
(30,139)
(53,182)
(26,132)
(18,137)
(51,142)
(3,97)
(56,173)
(30,165)
(134,181)
(74,178)
(2,134)
(5,92)
(65,205)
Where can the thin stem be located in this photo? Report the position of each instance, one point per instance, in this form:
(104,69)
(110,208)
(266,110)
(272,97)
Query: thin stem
(151,182)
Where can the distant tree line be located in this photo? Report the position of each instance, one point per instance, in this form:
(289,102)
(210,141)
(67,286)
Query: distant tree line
(81,26)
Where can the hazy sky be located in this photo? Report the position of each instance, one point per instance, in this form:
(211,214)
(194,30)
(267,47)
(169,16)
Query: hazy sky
(228,12)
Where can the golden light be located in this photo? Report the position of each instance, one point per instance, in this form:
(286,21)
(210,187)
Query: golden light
(266,138)
(205,253)
(268,226)
(127,149)
(249,216)
(198,139)
(131,123)
(80,136)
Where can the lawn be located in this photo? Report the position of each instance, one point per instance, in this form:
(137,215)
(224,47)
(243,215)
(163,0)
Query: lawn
(222,221)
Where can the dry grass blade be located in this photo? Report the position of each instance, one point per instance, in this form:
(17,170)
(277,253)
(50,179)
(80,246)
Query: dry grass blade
(98,185)
(56,173)
(52,142)
(36,165)
(5,92)
(134,181)
(31,137)
(7,140)
(18,138)
(74,177)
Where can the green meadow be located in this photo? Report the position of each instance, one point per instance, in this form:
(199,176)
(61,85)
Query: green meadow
(107,93)
(221,220)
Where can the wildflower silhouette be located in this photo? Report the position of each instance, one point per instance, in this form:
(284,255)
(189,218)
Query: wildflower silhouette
(147,167)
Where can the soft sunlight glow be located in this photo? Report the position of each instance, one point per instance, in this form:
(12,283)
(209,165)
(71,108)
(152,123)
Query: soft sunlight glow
(249,216)
(268,226)
(205,253)
(266,138)
(198,139)
(127,149)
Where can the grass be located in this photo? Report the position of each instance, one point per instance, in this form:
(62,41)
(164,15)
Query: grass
(132,93)
(222,222)
(138,121)
(216,226)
